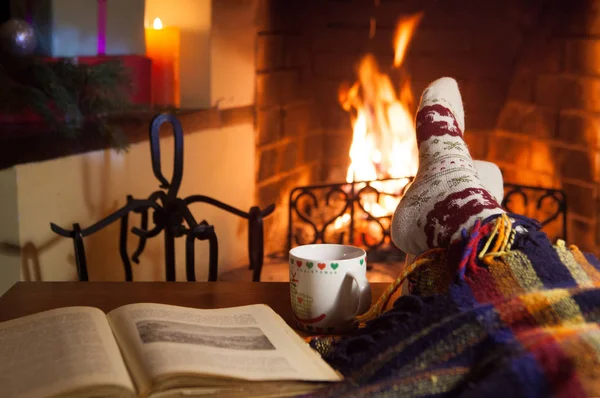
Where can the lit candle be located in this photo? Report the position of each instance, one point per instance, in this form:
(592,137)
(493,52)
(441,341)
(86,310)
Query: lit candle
(162,47)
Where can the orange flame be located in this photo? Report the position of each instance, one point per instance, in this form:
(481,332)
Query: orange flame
(404,32)
(384,142)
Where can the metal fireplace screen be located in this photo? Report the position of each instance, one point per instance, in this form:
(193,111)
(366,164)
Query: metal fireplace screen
(339,213)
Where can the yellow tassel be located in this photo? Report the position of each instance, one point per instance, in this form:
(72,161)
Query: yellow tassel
(489,242)
(505,237)
(501,234)
(383,301)
(507,234)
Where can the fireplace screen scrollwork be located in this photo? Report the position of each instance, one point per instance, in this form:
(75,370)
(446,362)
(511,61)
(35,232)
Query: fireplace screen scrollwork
(356,213)
(547,205)
(360,213)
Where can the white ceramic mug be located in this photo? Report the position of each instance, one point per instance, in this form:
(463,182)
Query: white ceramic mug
(328,287)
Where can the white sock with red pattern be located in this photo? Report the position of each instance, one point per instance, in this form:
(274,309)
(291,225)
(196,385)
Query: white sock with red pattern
(446,195)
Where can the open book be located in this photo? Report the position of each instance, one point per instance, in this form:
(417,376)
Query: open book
(156,350)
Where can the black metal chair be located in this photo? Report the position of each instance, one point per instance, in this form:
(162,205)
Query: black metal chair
(172,216)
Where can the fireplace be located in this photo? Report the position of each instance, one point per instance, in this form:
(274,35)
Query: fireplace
(528,73)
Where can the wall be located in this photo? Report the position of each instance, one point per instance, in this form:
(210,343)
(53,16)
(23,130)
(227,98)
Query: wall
(289,135)
(85,188)
(10,265)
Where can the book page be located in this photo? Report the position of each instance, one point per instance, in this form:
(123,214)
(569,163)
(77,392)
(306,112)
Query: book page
(60,351)
(250,342)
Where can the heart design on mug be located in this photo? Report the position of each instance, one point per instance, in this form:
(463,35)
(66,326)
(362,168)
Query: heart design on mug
(299,263)
(361,261)
(321,265)
(300,299)
(334,265)
(291,261)
(309,265)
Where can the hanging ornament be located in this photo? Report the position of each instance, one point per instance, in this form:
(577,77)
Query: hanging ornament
(17,38)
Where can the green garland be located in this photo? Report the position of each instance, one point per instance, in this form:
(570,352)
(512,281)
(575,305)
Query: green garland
(71,98)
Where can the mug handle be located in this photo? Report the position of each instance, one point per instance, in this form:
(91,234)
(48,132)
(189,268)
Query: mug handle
(364,293)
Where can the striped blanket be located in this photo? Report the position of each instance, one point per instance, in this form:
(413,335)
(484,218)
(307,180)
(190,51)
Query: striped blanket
(501,313)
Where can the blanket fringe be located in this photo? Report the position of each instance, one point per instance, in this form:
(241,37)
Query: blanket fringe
(383,301)
(503,236)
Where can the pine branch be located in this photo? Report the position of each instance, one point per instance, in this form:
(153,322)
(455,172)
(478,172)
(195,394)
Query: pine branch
(68,96)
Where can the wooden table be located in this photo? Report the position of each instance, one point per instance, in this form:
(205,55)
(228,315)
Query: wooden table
(26,298)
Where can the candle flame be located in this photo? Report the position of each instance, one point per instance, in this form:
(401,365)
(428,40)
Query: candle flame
(157,24)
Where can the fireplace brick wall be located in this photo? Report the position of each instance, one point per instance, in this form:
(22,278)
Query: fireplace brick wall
(529,72)
(550,118)
(290,137)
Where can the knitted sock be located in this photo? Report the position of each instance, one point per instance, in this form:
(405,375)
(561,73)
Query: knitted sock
(446,195)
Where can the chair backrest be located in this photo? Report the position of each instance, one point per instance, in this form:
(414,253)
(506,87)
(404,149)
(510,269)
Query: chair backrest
(172,216)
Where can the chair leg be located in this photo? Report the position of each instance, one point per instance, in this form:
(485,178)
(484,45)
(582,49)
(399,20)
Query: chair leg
(79,248)
(255,242)
(190,258)
(213,255)
(202,231)
(123,248)
(169,254)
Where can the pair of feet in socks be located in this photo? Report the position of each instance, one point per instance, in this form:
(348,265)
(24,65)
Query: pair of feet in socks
(450,191)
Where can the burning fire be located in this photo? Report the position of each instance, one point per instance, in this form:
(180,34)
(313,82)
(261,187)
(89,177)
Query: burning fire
(384,143)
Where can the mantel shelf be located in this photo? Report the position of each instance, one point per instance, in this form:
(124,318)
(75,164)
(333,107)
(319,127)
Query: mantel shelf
(33,142)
